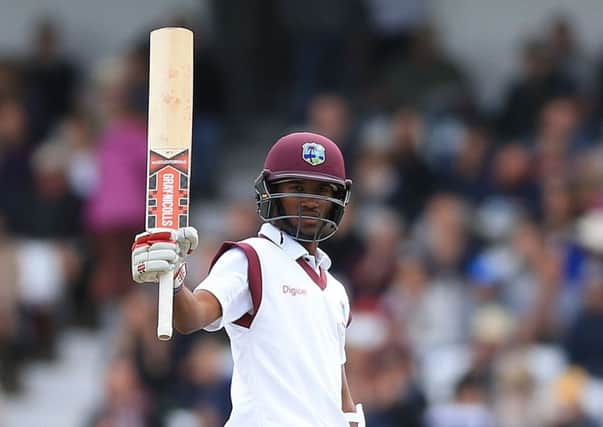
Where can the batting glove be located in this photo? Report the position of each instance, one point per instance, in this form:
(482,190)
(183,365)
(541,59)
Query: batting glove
(161,250)
(356,417)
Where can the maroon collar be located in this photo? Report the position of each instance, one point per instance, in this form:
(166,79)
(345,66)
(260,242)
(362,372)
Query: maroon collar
(320,280)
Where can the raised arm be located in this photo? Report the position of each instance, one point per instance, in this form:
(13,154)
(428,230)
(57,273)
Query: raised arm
(158,251)
(194,311)
(223,294)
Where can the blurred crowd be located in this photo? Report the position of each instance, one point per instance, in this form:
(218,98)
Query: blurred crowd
(472,251)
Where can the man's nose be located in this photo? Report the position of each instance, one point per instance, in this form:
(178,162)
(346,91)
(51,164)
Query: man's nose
(309,203)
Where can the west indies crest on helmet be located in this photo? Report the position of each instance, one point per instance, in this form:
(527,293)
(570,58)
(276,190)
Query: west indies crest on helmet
(303,156)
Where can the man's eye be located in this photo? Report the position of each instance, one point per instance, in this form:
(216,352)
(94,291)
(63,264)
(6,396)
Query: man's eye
(326,190)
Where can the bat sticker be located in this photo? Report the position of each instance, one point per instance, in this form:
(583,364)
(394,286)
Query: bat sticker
(167,202)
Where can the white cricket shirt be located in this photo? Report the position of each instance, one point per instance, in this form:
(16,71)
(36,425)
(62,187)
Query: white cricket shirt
(286,317)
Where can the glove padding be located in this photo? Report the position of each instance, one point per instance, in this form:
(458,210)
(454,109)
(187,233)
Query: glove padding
(161,250)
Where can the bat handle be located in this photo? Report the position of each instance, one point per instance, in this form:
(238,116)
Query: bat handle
(166,298)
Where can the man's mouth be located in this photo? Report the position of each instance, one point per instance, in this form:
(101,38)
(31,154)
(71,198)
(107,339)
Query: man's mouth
(310,217)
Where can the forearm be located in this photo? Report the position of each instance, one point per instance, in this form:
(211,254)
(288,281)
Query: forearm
(347,403)
(194,311)
(349,407)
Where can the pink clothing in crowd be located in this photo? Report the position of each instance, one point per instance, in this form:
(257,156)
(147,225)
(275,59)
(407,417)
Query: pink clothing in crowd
(119,198)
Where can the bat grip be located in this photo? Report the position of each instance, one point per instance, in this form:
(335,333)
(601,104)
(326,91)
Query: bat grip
(166,298)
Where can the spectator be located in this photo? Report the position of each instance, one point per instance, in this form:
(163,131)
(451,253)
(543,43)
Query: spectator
(46,253)
(15,150)
(584,342)
(329,115)
(51,81)
(469,407)
(11,339)
(398,399)
(139,344)
(210,104)
(569,57)
(50,194)
(538,82)
(115,210)
(567,408)
(492,327)
(444,235)
(517,401)
(558,210)
(425,78)
(124,401)
(317,41)
(393,24)
(374,270)
(205,383)
(511,176)
(588,176)
(415,180)
(532,294)
(78,134)
(558,137)
(375,176)
(430,312)
(467,171)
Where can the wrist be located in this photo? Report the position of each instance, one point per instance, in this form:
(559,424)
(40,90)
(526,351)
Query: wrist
(179,276)
(356,419)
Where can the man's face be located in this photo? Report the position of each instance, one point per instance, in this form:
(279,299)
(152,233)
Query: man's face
(305,206)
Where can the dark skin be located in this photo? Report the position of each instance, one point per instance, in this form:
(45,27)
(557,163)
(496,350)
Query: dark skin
(306,206)
(193,312)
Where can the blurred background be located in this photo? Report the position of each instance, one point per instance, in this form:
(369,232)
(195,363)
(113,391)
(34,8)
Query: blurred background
(472,252)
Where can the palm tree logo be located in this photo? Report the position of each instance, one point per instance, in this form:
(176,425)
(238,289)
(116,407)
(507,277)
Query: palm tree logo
(313,153)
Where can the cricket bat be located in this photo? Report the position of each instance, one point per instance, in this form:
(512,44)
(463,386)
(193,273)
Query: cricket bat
(169,145)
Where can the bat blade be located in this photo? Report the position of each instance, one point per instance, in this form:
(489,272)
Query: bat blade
(169,145)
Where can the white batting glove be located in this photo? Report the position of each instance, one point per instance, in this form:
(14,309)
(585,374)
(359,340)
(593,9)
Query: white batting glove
(161,250)
(356,417)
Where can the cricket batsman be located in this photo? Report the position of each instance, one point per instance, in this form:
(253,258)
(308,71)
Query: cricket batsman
(284,313)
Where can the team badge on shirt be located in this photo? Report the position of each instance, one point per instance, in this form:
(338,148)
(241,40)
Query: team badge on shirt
(313,153)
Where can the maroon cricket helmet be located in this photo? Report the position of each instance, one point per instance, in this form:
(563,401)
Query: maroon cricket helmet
(303,156)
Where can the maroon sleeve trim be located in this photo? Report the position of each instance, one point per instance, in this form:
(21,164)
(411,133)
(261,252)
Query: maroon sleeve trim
(349,319)
(254,278)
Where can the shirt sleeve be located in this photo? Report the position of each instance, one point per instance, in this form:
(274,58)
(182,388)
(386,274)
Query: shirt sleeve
(227,281)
